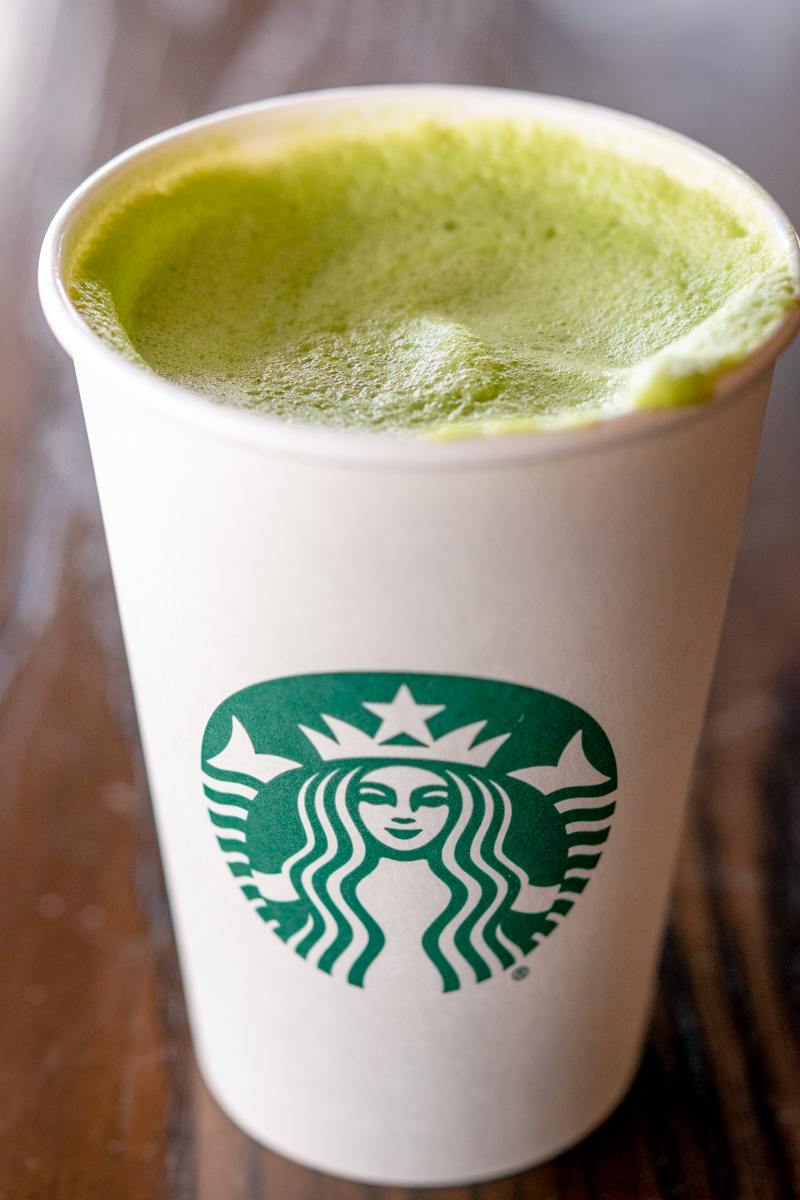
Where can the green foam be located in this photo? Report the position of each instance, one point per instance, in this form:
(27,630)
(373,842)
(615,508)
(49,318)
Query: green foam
(439,279)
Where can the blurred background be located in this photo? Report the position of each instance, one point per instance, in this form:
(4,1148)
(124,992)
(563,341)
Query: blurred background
(98,1093)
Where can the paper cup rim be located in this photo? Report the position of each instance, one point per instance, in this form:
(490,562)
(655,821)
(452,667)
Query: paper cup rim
(185,407)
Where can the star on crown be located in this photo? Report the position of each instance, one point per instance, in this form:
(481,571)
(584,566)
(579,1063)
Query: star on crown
(403,716)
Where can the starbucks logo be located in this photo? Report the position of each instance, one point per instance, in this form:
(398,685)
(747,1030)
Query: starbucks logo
(431,822)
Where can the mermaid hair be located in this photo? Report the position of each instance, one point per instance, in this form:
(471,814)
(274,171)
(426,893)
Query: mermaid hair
(466,941)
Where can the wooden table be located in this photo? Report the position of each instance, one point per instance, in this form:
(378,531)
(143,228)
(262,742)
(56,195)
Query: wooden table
(99,1095)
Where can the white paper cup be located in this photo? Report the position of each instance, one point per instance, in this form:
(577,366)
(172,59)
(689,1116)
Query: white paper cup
(466,996)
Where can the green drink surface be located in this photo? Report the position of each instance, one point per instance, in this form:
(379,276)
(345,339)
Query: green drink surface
(437,279)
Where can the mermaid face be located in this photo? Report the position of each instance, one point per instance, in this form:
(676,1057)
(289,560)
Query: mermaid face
(403,807)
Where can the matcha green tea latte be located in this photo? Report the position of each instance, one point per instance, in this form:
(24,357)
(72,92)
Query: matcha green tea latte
(437,277)
(419,711)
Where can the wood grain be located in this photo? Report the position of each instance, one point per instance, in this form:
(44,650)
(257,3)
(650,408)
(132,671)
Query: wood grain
(99,1095)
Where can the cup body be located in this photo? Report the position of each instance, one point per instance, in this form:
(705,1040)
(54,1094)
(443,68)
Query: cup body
(311,618)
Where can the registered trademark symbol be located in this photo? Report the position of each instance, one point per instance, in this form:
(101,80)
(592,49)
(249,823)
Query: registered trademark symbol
(520,973)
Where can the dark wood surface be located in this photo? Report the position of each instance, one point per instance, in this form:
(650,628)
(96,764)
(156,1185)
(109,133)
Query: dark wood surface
(99,1095)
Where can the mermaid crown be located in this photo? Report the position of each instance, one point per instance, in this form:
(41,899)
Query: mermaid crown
(404,717)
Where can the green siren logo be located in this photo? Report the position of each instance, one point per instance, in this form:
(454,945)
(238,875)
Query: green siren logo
(383,824)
